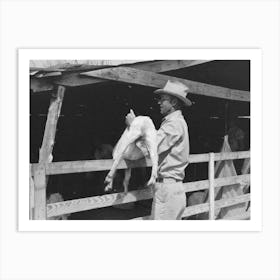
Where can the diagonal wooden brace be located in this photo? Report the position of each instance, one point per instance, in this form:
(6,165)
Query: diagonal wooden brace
(155,80)
(50,128)
(40,178)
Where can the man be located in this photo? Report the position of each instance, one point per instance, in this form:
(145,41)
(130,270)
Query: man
(169,200)
(236,138)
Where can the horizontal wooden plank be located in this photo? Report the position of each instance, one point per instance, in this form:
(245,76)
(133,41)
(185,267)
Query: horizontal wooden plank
(166,65)
(91,165)
(76,79)
(232,155)
(198,158)
(49,74)
(196,186)
(83,204)
(202,208)
(219,182)
(151,79)
(232,201)
(196,209)
(95,202)
(65,167)
(244,216)
(245,179)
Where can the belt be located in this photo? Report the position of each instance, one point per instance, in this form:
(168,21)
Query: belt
(167,180)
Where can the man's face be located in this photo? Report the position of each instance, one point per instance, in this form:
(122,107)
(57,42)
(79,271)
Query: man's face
(165,104)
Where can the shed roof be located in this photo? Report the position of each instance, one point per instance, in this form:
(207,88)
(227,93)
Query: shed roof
(232,75)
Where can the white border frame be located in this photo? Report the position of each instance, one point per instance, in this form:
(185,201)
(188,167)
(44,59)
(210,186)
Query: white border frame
(152,24)
(254,55)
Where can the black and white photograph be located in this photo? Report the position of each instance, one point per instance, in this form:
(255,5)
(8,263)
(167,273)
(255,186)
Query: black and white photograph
(139,139)
(148,140)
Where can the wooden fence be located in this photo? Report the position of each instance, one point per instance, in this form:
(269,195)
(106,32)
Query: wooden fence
(40,210)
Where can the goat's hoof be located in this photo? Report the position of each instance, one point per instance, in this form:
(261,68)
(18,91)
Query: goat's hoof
(151,182)
(108,180)
(108,188)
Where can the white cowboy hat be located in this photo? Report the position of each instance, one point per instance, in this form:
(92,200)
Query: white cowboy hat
(176,89)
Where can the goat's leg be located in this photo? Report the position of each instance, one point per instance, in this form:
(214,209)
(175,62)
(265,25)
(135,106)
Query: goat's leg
(109,184)
(130,138)
(110,176)
(127,175)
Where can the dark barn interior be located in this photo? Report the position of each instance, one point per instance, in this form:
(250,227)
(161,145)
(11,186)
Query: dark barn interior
(94,114)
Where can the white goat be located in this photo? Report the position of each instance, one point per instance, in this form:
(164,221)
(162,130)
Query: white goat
(137,141)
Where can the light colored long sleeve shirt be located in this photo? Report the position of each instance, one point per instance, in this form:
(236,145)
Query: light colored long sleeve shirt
(173,146)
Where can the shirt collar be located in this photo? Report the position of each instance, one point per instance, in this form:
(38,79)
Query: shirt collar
(174,115)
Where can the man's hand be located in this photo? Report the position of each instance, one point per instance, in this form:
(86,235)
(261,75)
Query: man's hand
(129,117)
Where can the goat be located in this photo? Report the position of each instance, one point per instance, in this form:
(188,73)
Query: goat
(137,141)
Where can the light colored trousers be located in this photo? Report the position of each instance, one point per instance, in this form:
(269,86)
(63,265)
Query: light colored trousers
(169,201)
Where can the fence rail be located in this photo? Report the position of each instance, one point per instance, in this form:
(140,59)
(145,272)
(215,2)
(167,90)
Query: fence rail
(95,202)
(89,203)
(66,167)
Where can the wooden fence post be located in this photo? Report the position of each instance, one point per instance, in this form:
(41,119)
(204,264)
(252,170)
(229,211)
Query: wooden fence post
(45,155)
(40,211)
(31,195)
(211,174)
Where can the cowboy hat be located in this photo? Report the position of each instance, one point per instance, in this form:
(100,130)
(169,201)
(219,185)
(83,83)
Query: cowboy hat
(176,89)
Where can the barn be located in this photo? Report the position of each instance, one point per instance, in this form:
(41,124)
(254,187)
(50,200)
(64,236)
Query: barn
(77,108)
